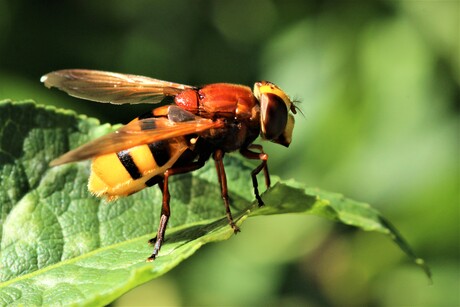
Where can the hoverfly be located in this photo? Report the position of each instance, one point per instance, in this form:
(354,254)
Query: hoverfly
(173,139)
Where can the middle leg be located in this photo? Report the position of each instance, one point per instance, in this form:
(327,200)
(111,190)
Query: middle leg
(218,158)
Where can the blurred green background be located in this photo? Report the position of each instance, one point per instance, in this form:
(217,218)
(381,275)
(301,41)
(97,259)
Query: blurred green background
(379,85)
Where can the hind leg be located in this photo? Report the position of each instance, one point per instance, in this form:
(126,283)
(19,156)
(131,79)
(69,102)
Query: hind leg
(165,209)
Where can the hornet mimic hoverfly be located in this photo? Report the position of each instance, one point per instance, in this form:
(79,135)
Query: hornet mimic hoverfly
(178,138)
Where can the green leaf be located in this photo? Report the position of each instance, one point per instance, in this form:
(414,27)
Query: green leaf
(60,245)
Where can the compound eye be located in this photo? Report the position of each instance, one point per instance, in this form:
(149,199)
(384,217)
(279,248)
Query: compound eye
(274,115)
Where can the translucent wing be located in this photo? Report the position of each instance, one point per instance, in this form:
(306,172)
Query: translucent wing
(137,132)
(102,86)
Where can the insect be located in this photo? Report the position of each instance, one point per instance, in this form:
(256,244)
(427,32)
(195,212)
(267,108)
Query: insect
(178,138)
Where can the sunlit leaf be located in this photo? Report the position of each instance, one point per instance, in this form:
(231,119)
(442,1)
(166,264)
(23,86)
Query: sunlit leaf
(60,245)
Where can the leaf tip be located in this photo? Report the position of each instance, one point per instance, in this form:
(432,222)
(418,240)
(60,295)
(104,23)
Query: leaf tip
(421,263)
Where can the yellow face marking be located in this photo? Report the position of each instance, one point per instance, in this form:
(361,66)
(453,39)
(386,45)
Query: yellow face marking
(265,87)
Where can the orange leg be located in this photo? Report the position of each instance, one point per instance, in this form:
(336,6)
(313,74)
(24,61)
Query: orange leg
(165,209)
(218,158)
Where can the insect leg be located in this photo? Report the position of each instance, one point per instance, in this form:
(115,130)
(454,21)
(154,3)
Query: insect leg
(165,213)
(165,209)
(247,153)
(218,158)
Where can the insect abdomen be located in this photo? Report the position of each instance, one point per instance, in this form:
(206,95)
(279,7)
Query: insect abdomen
(126,172)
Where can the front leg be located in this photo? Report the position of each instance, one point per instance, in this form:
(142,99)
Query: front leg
(262,166)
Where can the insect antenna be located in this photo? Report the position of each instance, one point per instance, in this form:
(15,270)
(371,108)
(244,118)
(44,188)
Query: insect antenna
(295,106)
